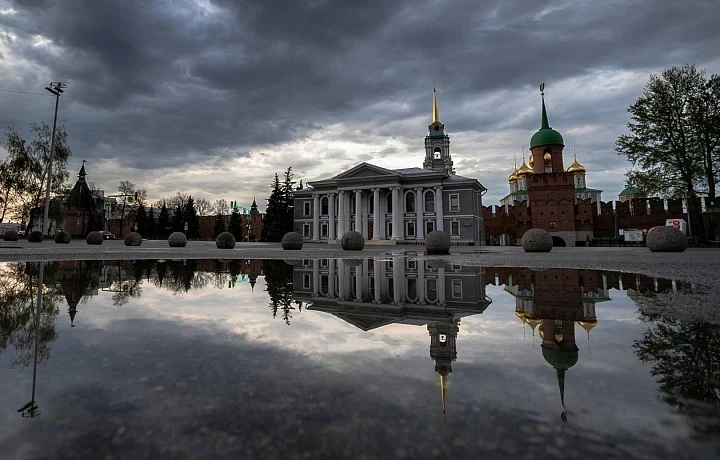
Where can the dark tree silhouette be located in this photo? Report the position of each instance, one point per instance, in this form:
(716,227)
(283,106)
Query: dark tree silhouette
(278,279)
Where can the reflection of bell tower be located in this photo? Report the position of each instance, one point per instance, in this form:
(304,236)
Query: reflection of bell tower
(443,349)
(437,143)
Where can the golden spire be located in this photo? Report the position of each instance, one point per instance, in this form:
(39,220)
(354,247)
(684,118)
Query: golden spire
(435,111)
(442,393)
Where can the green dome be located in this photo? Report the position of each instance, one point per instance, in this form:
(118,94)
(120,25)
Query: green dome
(560,360)
(546,136)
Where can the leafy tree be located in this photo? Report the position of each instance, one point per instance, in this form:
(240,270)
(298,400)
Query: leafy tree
(674,139)
(219,225)
(23,173)
(235,224)
(685,359)
(163,220)
(190,216)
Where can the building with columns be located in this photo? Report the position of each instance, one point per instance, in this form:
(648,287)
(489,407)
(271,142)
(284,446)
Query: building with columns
(395,206)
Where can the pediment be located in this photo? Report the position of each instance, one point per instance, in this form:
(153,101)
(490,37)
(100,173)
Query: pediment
(366,170)
(366,322)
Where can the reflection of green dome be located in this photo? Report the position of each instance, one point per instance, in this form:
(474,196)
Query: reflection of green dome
(546,135)
(560,360)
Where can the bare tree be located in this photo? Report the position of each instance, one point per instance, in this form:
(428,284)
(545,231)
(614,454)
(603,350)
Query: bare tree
(203,207)
(221,207)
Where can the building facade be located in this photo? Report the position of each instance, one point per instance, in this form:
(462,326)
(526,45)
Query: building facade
(395,206)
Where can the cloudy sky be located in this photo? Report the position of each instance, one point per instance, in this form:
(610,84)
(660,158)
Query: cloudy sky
(212,97)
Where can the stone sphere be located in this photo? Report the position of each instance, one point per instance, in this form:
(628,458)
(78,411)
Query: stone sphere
(133,239)
(35,236)
(666,239)
(292,241)
(177,240)
(352,241)
(94,238)
(11,235)
(293,262)
(537,240)
(62,237)
(225,240)
(437,242)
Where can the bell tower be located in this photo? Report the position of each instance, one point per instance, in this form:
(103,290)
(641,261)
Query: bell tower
(437,143)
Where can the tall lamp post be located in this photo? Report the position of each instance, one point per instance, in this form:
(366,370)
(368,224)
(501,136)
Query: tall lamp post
(56,88)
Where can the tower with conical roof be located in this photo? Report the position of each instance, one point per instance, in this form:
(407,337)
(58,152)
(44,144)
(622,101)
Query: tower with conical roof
(437,143)
(546,145)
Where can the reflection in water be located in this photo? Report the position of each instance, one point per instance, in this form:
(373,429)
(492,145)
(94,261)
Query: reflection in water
(371,293)
(684,352)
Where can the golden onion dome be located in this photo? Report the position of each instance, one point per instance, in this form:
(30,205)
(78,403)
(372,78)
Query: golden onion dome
(548,158)
(524,170)
(588,324)
(513,176)
(576,167)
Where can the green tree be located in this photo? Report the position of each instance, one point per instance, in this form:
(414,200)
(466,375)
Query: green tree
(674,139)
(219,225)
(190,216)
(288,200)
(25,169)
(150,224)
(235,224)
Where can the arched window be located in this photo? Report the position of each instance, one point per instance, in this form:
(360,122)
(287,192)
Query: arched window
(410,202)
(429,201)
(437,153)
(324,206)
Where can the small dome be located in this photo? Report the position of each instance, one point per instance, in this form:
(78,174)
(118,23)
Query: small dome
(576,167)
(561,360)
(513,176)
(588,324)
(524,170)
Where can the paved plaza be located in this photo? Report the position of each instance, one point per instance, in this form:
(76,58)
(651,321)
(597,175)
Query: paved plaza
(694,265)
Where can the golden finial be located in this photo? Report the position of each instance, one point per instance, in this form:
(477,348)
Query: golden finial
(442,393)
(435,111)
(542,89)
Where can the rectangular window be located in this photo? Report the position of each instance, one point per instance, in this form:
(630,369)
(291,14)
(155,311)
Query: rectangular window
(409,228)
(306,230)
(306,208)
(429,226)
(457,289)
(455,228)
(306,281)
(323,263)
(324,230)
(454,202)
(411,265)
(324,284)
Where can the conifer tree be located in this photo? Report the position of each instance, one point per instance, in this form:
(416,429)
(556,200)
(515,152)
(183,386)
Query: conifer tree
(163,221)
(273,224)
(150,222)
(235,224)
(141,219)
(190,216)
(177,222)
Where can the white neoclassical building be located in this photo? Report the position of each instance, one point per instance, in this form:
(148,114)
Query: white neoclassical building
(395,206)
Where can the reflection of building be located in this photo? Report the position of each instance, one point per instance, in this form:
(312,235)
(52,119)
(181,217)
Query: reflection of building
(391,206)
(74,277)
(554,301)
(372,293)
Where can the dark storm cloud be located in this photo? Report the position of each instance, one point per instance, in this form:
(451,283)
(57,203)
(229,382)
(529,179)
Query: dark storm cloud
(157,83)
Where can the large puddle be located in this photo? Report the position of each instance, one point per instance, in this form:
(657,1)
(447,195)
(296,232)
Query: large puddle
(365,358)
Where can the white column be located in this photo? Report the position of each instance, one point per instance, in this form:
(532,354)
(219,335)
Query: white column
(377,219)
(397,277)
(396,214)
(419,207)
(359,283)
(377,278)
(331,216)
(341,280)
(358,211)
(422,297)
(365,200)
(331,278)
(316,277)
(438,209)
(316,217)
(441,286)
(341,215)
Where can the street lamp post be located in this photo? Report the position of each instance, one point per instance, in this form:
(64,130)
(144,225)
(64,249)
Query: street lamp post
(56,88)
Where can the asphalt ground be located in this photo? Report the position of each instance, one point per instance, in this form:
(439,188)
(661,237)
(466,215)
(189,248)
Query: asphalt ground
(694,265)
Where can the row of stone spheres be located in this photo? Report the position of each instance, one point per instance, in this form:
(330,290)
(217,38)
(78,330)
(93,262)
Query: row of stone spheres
(659,239)
(436,242)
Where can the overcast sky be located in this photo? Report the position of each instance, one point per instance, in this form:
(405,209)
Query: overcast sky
(212,97)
